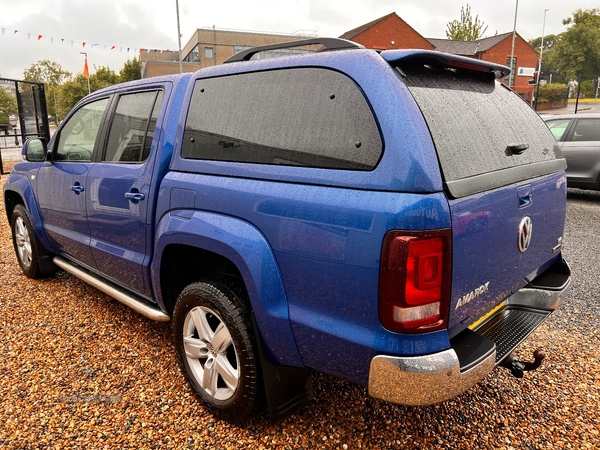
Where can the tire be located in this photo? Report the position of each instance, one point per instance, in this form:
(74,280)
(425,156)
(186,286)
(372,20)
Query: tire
(216,347)
(27,246)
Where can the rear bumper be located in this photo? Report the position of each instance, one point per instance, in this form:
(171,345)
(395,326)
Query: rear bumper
(433,378)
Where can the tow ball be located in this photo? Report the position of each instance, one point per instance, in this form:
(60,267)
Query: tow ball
(517,368)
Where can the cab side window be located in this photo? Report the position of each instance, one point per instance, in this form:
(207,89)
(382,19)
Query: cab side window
(77,138)
(132,128)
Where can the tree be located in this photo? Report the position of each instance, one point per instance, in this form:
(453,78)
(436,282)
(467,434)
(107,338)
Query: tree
(547,65)
(130,71)
(467,28)
(52,75)
(47,72)
(70,92)
(549,41)
(104,77)
(8,105)
(73,90)
(577,50)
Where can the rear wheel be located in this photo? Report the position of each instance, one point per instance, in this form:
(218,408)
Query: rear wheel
(216,347)
(25,243)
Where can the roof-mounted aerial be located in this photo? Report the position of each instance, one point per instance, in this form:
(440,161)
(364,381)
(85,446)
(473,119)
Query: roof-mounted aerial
(328,43)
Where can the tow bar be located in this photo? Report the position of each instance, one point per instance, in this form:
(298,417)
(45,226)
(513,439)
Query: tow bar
(517,368)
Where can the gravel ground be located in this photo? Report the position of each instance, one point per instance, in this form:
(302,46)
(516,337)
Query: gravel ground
(79,370)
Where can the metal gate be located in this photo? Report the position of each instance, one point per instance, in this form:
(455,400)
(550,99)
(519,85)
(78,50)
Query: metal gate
(23,115)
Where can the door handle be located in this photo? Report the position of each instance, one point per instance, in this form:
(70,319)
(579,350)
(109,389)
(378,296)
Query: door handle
(77,188)
(134,196)
(525,196)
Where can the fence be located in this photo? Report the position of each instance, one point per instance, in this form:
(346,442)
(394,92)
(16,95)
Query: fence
(23,115)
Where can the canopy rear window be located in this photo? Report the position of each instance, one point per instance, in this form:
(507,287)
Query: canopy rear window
(485,135)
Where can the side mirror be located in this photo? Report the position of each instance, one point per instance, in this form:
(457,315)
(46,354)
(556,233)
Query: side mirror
(34,150)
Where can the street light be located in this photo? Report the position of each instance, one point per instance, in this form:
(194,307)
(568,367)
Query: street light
(511,78)
(539,72)
(179,36)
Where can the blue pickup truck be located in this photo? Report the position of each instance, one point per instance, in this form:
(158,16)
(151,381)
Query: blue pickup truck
(392,218)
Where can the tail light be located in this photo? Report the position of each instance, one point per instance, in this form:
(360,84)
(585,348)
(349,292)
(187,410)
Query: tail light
(414,281)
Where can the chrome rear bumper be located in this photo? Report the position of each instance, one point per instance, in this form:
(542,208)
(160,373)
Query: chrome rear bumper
(434,378)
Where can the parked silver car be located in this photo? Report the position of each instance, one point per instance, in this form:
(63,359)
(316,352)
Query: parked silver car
(579,138)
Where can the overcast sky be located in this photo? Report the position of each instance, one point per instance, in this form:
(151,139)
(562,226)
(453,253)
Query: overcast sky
(136,24)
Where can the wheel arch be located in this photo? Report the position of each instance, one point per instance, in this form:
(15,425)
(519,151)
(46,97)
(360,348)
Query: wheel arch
(20,192)
(191,245)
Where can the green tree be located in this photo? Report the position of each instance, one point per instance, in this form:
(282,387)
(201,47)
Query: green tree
(549,41)
(130,71)
(577,50)
(547,66)
(8,105)
(52,75)
(104,77)
(73,90)
(70,92)
(467,28)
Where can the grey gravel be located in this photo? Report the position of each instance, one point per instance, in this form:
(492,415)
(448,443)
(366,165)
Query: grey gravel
(80,371)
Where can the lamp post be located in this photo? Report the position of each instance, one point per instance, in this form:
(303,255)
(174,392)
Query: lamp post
(179,36)
(539,71)
(511,78)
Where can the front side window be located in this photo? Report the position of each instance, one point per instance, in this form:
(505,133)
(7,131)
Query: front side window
(77,138)
(308,117)
(558,127)
(132,127)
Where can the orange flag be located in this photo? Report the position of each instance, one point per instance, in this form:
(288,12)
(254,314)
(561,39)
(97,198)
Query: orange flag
(86,72)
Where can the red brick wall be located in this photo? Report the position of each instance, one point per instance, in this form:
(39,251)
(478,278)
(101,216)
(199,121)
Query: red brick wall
(392,28)
(526,57)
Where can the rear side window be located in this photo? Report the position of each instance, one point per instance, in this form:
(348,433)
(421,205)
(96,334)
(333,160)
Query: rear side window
(132,127)
(307,117)
(485,135)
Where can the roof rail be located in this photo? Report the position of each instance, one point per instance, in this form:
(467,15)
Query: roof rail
(328,43)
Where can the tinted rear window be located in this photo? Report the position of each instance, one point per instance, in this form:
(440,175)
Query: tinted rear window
(305,117)
(474,120)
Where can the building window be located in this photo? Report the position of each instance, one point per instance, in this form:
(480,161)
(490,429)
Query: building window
(272,53)
(240,48)
(192,56)
(209,53)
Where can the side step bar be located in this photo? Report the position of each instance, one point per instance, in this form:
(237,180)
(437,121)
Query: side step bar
(143,307)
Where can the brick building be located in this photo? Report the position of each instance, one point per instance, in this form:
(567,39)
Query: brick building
(211,46)
(387,33)
(391,32)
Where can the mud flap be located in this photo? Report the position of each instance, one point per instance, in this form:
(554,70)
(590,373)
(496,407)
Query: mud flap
(288,389)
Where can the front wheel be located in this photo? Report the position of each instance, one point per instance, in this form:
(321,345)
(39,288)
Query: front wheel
(25,243)
(216,348)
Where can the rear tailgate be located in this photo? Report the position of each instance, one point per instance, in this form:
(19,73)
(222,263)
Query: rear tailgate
(490,261)
(504,177)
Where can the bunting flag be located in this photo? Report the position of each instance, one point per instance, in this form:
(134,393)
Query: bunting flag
(84,44)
